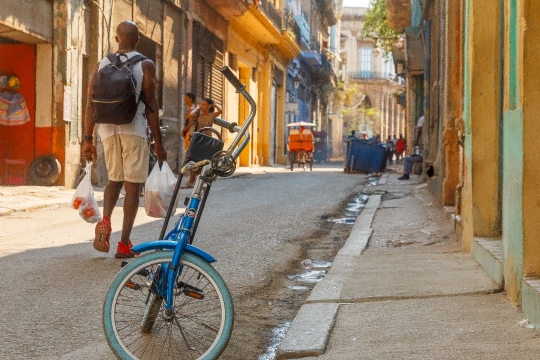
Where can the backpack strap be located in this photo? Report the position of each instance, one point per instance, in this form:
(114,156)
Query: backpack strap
(113,58)
(135,59)
(116,58)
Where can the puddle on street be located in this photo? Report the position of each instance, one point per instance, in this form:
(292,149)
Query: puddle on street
(277,335)
(321,264)
(310,277)
(297,287)
(352,210)
(373,181)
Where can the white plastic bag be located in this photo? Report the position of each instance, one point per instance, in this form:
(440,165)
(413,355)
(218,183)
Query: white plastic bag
(158,191)
(83,198)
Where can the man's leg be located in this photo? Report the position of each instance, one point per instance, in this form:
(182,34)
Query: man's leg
(131,206)
(407,165)
(110,197)
(135,153)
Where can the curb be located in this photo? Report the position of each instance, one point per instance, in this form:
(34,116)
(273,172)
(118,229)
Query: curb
(311,328)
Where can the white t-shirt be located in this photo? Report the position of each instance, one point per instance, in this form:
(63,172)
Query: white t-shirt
(420,121)
(138,125)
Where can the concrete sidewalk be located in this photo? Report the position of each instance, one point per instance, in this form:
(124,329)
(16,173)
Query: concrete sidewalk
(402,288)
(28,198)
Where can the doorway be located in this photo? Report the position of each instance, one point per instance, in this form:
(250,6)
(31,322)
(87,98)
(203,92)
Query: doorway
(20,61)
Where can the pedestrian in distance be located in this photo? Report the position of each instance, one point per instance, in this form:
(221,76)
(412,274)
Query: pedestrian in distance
(126,147)
(205,115)
(391,149)
(400,147)
(191,117)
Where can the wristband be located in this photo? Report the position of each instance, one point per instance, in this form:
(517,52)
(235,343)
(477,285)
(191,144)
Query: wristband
(88,138)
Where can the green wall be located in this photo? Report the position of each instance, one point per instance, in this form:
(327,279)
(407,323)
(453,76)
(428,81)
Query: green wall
(512,201)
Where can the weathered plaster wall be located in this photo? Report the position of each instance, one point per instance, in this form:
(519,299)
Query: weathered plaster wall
(453,102)
(484,81)
(529,24)
(513,160)
(32,17)
(512,203)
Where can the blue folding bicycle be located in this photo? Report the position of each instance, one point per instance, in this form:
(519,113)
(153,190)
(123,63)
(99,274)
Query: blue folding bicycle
(170,303)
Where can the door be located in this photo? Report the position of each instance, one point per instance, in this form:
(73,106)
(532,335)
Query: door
(19,60)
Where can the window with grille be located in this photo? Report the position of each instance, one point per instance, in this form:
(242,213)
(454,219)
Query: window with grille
(208,59)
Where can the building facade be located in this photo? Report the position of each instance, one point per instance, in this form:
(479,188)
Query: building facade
(481,132)
(380,88)
(54,48)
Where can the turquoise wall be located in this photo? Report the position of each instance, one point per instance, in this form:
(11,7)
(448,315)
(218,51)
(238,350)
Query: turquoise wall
(512,208)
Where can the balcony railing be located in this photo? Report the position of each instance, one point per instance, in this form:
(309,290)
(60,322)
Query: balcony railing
(372,75)
(273,14)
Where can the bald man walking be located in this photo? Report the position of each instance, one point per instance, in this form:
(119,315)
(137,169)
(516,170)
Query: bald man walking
(126,146)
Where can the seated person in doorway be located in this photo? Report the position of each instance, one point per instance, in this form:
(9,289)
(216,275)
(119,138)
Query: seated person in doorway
(408,163)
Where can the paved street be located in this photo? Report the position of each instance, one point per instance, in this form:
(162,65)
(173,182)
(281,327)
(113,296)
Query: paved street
(54,282)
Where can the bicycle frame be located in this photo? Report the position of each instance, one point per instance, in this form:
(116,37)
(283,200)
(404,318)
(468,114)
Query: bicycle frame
(179,239)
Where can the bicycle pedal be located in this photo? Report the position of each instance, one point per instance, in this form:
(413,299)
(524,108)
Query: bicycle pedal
(193,294)
(132,285)
(190,290)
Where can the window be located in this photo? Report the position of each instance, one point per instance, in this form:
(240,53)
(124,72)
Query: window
(366,62)
(207,62)
(388,66)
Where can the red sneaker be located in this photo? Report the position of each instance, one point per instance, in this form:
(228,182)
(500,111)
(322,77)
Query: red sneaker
(124,251)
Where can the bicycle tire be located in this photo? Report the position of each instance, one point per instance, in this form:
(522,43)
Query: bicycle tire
(201,328)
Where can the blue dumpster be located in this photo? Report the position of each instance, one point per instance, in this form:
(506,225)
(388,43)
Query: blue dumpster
(365,157)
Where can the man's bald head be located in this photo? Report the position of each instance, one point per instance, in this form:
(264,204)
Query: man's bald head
(127,34)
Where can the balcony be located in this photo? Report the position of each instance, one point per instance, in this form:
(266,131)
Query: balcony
(303,31)
(372,75)
(273,14)
(229,9)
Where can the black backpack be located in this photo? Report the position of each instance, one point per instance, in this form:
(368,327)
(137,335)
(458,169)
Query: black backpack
(115,91)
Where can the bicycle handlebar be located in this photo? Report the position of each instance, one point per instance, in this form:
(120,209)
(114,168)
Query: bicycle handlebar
(232,127)
(236,147)
(232,79)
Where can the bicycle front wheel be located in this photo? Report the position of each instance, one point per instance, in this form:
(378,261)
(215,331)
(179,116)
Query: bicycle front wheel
(134,318)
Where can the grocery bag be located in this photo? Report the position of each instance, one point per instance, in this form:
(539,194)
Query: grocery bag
(158,191)
(83,198)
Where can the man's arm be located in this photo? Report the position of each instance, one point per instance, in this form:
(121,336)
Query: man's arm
(148,91)
(418,135)
(191,117)
(89,150)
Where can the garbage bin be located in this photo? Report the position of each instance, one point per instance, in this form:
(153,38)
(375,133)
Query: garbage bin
(365,157)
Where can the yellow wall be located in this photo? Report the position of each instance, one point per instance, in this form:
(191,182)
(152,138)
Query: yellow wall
(530,87)
(484,64)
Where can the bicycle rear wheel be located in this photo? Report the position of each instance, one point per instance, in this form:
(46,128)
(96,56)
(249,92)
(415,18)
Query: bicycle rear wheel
(134,317)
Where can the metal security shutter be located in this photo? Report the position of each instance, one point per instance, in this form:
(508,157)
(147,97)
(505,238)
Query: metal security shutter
(208,61)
